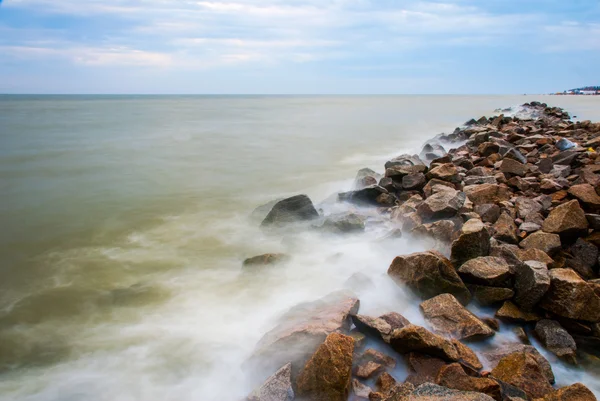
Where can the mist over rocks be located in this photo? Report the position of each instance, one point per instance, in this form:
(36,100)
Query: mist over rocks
(510,206)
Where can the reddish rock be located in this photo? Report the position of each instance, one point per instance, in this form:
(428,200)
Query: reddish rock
(414,338)
(575,392)
(265,260)
(493,357)
(510,166)
(506,230)
(487,193)
(490,295)
(586,194)
(445,172)
(512,313)
(572,297)
(486,270)
(549,243)
(567,220)
(521,370)
(442,204)
(453,376)
(467,357)
(423,368)
(367,369)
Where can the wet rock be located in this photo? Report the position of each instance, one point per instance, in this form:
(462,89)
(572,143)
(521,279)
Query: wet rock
(395,320)
(276,388)
(522,370)
(575,392)
(372,355)
(567,220)
(433,392)
(366,196)
(367,369)
(506,230)
(428,274)
(490,295)
(327,375)
(447,316)
(489,213)
(413,181)
(360,391)
(548,243)
(466,357)
(532,281)
(344,223)
(414,338)
(359,282)
(521,335)
(266,259)
(385,383)
(473,242)
(441,204)
(445,172)
(453,376)
(366,177)
(571,297)
(510,166)
(511,312)
(586,194)
(291,210)
(494,357)
(487,193)
(556,339)
(487,270)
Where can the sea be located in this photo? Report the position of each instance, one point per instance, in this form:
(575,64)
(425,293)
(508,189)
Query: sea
(125,221)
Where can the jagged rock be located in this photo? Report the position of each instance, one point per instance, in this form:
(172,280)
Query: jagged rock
(397,172)
(488,148)
(366,177)
(506,230)
(414,181)
(405,160)
(441,204)
(385,383)
(493,357)
(534,254)
(373,326)
(584,253)
(549,243)
(568,220)
(486,270)
(266,259)
(372,355)
(510,166)
(575,392)
(487,193)
(428,190)
(522,370)
(511,312)
(474,241)
(276,388)
(447,316)
(366,196)
(395,320)
(526,207)
(556,339)
(489,213)
(445,172)
(586,194)
(360,391)
(433,392)
(302,329)
(453,376)
(328,373)
(414,338)
(571,297)
(490,295)
(423,368)
(291,210)
(466,357)
(366,370)
(428,274)
(532,281)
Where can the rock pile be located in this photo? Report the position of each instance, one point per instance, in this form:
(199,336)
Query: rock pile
(514,210)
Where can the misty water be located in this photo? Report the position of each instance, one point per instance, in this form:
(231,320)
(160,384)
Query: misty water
(125,221)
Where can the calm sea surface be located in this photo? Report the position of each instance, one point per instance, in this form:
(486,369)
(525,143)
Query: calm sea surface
(125,222)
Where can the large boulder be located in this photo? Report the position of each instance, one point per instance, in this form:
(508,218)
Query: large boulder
(414,338)
(532,281)
(572,297)
(486,270)
(556,339)
(276,388)
(494,357)
(291,210)
(522,370)
(433,392)
(327,375)
(366,196)
(487,193)
(442,204)
(301,330)
(447,316)
(428,274)
(549,243)
(567,220)
(473,242)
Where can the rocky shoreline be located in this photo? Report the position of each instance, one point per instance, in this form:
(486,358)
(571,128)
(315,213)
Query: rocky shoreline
(513,210)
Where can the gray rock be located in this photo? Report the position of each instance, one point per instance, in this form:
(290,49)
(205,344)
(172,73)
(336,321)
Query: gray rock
(556,339)
(433,392)
(510,166)
(365,196)
(489,212)
(344,223)
(441,205)
(526,207)
(276,388)
(291,210)
(473,242)
(532,281)
(413,181)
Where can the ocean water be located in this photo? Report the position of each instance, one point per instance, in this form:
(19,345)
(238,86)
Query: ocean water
(125,223)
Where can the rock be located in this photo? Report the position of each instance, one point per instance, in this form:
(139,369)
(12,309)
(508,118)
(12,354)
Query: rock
(474,241)
(568,220)
(445,172)
(441,204)
(359,338)
(360,391)
(530,227)
(571,297)
(532,281)
(477,180)
(328,373)
(593,220)
(365,370)
(564,144)
(565,158)
(423,368)
(433,392)
(510,166)
(488,148)
(556,339)
(414,338)
(405,160)
(490,295)
(266,259)
(586,194)
(575,392)
(535,254)
(487,270)
(344,223)
(373,326)
(487,193)
(291,210)
(494,357)
(385,383)
(466,357)
(447,316)
(276,388)
(489,213)
(512,313)
(548,243)
(453,376)
(302,329)
(372,355)
(521,335)
(506,230)
(366,177)
(366,196)
(585,253)
(413,181)
(514,154)
(259,214)
(527,207)
(428,189)
(396,320)
(521,370)
(428,274)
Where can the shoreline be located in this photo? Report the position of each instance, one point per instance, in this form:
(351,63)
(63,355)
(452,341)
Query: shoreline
(509,211)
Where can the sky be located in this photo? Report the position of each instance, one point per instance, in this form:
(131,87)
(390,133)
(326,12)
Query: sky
(298,46)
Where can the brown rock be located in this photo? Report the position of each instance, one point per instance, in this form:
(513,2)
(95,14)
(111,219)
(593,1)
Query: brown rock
(453,376)
(556,339)
(445,172)
(510,166)
(467,357)
(265,260)
(447,316)
(571,297)
(373,326)
(506,230)
(586,194)
(433,392)
(428,274)
(360,391)
(442,204)
(371,355)
(532,281)
(488,148)
(535,254)
(512,313)
(487,193)
(385,383)
(367,369)
(423,368)
(493,357)
(415,338)
(428,190)
(486,270)
(575,392)
(396,320)
(490,295)
(473,242)
(327,375)
(568,220)
(521,370)
(549,243)
(489,213)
